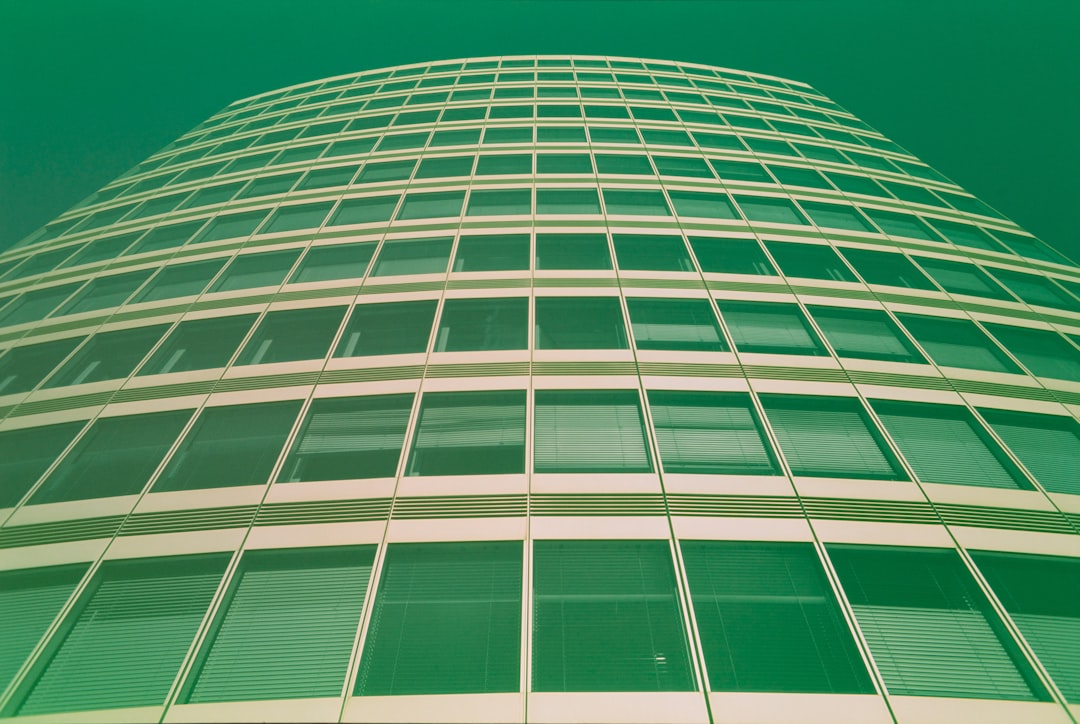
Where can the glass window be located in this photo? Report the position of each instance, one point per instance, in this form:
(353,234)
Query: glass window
(470,433)
(413,256)
(101,249)
(22,368)
(835,216)
(614,135)
(959,278)
(563,163)
(508,135)
(810,261)
(226,226)
(907,225)
(446,620)
(116,456)
(829,437)
(323,178)
(297,217)
(957,343)
(29,601)
(37,263)
(589,431)
(769,621)
(740,171)
(446,167)
(770,328)
(144,613)
(289,335)
(340,261)
(347,438)
(770,210)
(434,205)
(945,444)
(1047,445)
(180,280)
(287,611)
(108,356)
(504,163)
(793,176)
(579,323)
(199,344)
(865,334)
(1036,290)
(684,166)
(387,328)
(880,267)
(704,204)
(567,201)
(675,324)
(714,433)
(967,235)
(851,184)
(731,256)
(1045,353)
(658,137)
(1031,247)
(24,455)
(719,141)
(606,617)
(652,252)
(462,136)
(928,625)
(624,163)
(173,235)
(228,446)
(500,202)
(474,325)
(384,171)
(636,203)
(104,292)
(493,252)
(248,271)
(35,305)
(572,251)
(403,141)
(364,210)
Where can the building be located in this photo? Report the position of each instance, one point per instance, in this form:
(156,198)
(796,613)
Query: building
(549,389)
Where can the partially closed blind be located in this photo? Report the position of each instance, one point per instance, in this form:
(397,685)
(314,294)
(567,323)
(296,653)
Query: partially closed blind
(124,644)
(1047,445)
(590,431)
(461,433)
(710,432)
(288,628)
(774,328)
(828,436)
(446,620)
(945,444)
(29,601)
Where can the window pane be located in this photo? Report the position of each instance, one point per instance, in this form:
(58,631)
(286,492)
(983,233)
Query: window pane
(446,620)
(168,237)
(567,201)
(470,433)
(248,271)
(1036,290)
(270,185)
(447,167)
(929,627)
(684,166)
(323,178)
(740,171)
(470,325)
(606,617)
(635,203)
(288,612)
(957,278)
(624,164)
(22,368)
(101,249)
(945,444)
(652,252)
(181,280)
(579,323)
(768,619)
(1043,352)
(879,267)
(1047,445)
(498,252)
(771,328)
(227,226)
(297,217)
(387,328)
(829,437)
(227,446)
(967,235)
(432,205)
(108,356)
(586,431)
(29,601)
(710,433)
(957,343)
(379,172)
(770,210)
(731,256)
(505,164)
(364,210)
(341,261)
(144,614)
(835,216)
(349,438)
(104,292)
(572,251)
(677,324)
(500,202)
(116,456)
(413,256)
(708,205)
(811,261)
(291,335)
(895,224)
(865,334)
(26,454)
(1042,595)
(563,163)
(199,344)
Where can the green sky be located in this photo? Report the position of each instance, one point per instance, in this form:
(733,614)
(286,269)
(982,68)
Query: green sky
(983,90)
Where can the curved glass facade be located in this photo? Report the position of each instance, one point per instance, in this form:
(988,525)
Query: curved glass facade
(554,389)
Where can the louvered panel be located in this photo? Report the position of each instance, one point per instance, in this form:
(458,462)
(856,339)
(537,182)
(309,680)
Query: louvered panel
(372,374)
(599,505)
(178,521)
(880,511)
(735,506)
(978,516)
(335,511)
(462,506)
(59,532)
(288,630)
